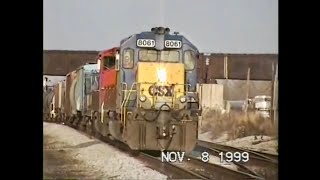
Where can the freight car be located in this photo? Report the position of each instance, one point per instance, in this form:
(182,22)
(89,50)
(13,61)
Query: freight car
(73,97)
(48,108)
(49,97)
(142,93)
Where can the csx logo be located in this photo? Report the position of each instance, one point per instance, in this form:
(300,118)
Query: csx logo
(161,90)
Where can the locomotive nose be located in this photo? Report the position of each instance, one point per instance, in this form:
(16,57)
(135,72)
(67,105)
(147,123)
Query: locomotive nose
(167,131)
(159,84)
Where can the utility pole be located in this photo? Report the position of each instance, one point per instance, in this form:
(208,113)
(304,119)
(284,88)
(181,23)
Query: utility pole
(275,97)
(207,66)
(45,83)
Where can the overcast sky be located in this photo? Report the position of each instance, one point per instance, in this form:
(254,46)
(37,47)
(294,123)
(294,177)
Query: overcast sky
(218,26)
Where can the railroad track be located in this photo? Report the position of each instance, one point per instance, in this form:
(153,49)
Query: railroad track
(213,171)
(263,154)
(260,164)
(193,168)
(225,148)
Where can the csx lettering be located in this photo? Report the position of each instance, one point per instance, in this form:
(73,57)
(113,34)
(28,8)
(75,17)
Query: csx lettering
(160,90)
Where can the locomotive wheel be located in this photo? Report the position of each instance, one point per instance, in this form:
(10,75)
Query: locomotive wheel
(58,119)
(64,119)
(82,124)
(89,126)
(69,121)
(75,122)
(95,132)
(97,135)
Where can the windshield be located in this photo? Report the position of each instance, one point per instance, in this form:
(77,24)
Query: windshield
(109,61)
(153,55)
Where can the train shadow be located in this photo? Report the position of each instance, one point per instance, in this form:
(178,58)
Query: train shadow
(135,153)
(153,153)
(83,145)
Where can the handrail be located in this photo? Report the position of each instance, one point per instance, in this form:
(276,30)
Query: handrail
(124,104)
(124,97)
(102,112)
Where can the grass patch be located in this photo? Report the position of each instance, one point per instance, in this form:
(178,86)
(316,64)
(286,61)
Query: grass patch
(236,124)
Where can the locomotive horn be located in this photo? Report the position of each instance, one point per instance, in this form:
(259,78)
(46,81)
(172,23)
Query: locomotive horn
(161,30)
(167,30)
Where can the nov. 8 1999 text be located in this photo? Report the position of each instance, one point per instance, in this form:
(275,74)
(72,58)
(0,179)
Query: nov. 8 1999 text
(205,157)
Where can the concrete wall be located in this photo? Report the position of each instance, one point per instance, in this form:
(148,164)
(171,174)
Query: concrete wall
(211,96)
(235,90)
(214,95)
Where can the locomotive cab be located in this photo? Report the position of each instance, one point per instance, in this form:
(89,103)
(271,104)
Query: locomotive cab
(106,62)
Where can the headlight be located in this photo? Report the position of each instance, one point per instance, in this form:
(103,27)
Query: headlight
(162,75)
(143,98)
(183,99)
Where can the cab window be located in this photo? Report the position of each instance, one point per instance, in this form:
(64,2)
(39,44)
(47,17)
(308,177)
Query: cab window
(109,62)
(153,55)
(189,60)
(169,56)
(148,55)
(127,61)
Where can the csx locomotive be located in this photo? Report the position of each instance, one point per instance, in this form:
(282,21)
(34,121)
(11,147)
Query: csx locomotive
(143,93)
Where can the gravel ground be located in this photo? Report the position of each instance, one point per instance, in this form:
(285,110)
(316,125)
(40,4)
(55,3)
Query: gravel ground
(71,154)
